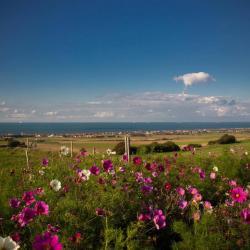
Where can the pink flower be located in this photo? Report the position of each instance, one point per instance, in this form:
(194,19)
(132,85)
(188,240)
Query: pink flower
(212,175)
(41,208)
(193,190)
(139,177)
(148,180)
(159,219)
(26,216)
(238,194)
(94,170)
(39,191)
(137,160)
(182,204)
(232,183)
(197,197)
(28,198)
(245,215)
(208,205)
(180,191)
(14,203)
(47,241)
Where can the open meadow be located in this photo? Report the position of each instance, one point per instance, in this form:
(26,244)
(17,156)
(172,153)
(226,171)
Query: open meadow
(194,199)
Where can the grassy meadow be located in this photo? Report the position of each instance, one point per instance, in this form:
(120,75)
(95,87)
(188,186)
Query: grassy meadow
(179,200)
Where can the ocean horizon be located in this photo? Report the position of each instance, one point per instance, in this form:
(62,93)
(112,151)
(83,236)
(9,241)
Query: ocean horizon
(92,127)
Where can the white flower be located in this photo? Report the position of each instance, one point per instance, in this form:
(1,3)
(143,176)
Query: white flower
(113,152)
(41,172)
(55,185)
(8,244)
(215,169)
(109,151)
(86,172)
(246,153)
(64,150)
(232,150)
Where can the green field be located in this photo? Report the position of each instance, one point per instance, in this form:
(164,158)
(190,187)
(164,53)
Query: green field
(122,197)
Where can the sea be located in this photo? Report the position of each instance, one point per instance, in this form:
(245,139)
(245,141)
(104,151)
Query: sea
(97,127)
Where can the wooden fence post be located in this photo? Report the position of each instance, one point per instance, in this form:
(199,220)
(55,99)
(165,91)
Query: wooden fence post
(71,148)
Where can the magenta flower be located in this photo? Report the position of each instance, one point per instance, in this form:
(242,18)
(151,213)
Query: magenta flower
(146,189)
(125,157)
(137,160)
(45,162)
(100,212)
(159,219)
(144,217)
(107,165)
(28,198)
(76,238)
(147,180)
(14,203)
(52,229)
(25,216)
(41,208)
(182,204)
(238,194)
(94,170)
(245,215)
(167,186)
(47,241)
(180,191)
(202,174)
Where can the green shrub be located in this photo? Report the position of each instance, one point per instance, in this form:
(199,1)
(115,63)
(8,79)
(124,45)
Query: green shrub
(225,139)
(194,145)
(120,149)
(12,143)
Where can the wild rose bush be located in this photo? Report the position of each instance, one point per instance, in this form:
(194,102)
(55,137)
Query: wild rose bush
(167,201)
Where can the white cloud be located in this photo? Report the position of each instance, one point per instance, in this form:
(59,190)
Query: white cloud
(192,78)
(33,111)
(4,109)
(18,116)
(2,103)
(104,114)
(51,113)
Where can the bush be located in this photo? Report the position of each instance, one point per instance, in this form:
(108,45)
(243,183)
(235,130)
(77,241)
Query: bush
(194,145)
(225,139)
(144,149)
(170,146)
(12,143)
(120,149)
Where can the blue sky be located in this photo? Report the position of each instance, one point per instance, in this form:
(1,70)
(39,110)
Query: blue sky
(70,60)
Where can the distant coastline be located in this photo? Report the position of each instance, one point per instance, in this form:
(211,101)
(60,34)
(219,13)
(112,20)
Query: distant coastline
(78,128)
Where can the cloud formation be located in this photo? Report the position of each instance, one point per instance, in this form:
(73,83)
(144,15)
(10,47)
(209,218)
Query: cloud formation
(194,78)
(137,107)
